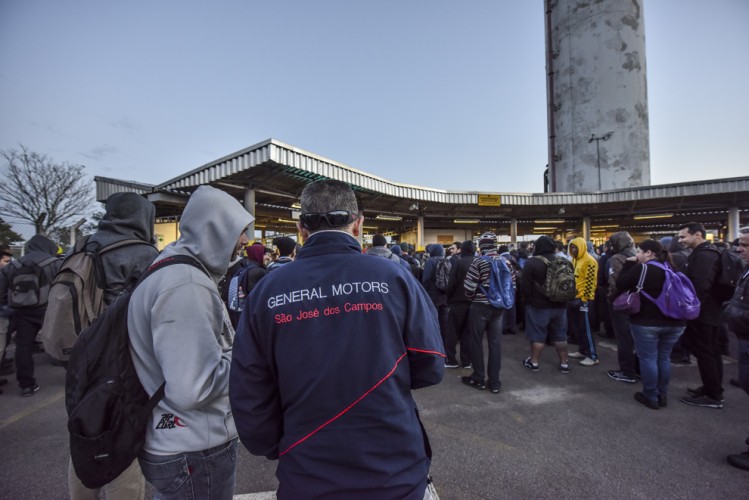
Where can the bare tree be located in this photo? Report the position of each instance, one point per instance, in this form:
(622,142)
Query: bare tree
(37,190)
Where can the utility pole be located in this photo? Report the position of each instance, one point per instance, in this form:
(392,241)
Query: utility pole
(598,139)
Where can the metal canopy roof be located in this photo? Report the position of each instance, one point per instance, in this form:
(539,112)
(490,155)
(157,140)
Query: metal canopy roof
(278,173)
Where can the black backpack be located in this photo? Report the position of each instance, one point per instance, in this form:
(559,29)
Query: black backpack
(442,273)
(30,283)
(729,274)
(108,409)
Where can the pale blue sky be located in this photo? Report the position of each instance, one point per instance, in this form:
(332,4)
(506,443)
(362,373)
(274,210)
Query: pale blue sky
(439,93)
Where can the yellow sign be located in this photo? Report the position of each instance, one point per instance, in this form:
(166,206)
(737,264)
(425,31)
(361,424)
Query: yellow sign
(489,200)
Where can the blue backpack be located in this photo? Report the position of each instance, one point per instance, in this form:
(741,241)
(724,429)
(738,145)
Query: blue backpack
(500,293)
(678,299)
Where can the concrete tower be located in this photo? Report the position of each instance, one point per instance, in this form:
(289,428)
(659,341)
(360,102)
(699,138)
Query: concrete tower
(597,95)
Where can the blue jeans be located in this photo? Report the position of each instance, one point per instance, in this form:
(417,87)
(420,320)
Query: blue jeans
(193,475)
(654,345)
(485,318)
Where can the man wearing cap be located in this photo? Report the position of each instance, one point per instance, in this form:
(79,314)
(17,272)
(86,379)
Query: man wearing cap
(483,318)
(326,355)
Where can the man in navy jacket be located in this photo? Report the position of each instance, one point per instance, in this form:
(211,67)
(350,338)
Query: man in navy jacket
(326,354)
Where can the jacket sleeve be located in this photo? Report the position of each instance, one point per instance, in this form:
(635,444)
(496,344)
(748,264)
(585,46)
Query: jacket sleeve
(185,344)
(426,276)
(589,280)
(473,279)
(253,390)
(702,271)
(628,277)
(424,348)
(453,278)
(616,262)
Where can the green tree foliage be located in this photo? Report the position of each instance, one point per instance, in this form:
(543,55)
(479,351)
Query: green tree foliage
(40,191)
(7,235)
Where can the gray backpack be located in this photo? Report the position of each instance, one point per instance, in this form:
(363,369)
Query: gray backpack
(30,283)
(76,297)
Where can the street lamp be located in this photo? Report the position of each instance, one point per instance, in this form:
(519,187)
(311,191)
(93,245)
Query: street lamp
(604,137)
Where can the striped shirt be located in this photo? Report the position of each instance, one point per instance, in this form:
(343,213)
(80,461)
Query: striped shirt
(478,277)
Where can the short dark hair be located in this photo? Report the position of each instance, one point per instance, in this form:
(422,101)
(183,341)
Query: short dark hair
(5,250)
(329,195)
(379,240)
(285,245)
(694,227)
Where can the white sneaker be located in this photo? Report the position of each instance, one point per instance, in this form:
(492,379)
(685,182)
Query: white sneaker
(589,362)
(576,355)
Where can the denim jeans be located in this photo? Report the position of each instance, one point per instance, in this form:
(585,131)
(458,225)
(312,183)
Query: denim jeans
(193,475)
(654,344)
(485,318)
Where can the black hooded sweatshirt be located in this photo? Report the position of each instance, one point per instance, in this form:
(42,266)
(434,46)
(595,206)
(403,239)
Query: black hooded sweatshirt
(534,276)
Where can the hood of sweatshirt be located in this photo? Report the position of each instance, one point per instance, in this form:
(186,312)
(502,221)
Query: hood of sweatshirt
(544,245)
(622,242)
(210,227)
(39,243)
(582,247)
(397,250)
(436,250)
(129,215)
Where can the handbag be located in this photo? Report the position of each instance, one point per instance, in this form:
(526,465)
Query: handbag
(629,302)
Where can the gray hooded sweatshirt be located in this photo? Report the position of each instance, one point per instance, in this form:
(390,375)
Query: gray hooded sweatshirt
(180,333)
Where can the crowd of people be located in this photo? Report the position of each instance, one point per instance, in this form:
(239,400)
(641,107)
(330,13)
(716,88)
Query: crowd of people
(231,338)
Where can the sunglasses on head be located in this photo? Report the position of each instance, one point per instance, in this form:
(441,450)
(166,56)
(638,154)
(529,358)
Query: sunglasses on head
(336,218)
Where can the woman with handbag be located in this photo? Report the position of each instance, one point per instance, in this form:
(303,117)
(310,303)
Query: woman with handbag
(654,333)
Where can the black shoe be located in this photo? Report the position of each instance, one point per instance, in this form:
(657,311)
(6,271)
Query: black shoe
(29,391)
(467,366)
(473,383)
(530,365)
(740,460)
(643,399)
(703,401)
(495,388)
(700,391)
(696,391)
(662,401)
(451,364)
(564,368)
(734,382)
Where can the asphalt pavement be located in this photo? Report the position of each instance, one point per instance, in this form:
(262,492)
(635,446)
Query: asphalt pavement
(545,435)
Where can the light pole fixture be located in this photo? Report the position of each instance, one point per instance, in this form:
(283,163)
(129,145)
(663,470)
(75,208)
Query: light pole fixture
(598,139)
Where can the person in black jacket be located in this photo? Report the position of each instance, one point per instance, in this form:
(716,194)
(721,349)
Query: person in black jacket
(702,336)
(544,319)
(737,320)
(457,318)
(327,352)
(40,252)
(654,333)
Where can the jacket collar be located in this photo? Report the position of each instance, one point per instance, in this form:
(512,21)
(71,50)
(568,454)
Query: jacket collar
(329,242)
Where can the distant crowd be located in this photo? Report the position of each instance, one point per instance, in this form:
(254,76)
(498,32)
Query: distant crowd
(221,336)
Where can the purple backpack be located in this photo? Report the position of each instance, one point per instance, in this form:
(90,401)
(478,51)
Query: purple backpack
(677,300)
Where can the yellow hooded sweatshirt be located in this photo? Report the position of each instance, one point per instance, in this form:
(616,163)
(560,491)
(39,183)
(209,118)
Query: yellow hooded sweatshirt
(586,271)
